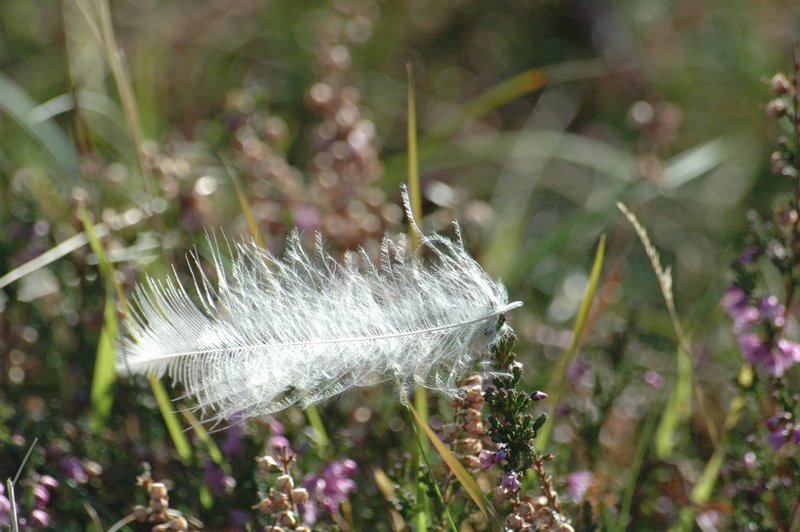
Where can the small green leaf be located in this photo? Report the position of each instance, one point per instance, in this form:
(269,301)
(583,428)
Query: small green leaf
(20,107)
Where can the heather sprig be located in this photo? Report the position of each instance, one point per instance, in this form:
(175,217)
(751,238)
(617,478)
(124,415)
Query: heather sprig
(513,430)
(765,326)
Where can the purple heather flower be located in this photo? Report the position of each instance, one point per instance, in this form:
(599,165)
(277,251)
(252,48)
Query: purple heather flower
(778,420)
(782,430)
(749,254)
(216,479)
(772,312)
(776,359)
(735,301)
(778,437)
(72,468)
(577,484)
(39,518)
(487,458)
(332,486)
(501,455)
(232,446)
(734,298)
(239,517)
(510,482)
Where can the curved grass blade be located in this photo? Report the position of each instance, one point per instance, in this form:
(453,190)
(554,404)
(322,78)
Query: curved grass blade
(558,377)
(103,375)
(496,96)
(21,108)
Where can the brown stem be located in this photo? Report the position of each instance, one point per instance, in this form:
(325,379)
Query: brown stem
(545,484)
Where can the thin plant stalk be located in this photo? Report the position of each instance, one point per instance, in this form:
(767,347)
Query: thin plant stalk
(415,199)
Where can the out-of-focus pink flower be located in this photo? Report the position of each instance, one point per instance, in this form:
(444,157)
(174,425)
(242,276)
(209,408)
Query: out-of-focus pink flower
(749,460)
(654,379)
(40,496)
(39,518)
(279,442)
(48,482)
(73,468)
(5,508)
(306,217)
(577,484)
(330,488)
(578,373)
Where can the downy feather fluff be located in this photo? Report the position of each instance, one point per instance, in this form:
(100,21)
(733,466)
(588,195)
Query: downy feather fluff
(269,333)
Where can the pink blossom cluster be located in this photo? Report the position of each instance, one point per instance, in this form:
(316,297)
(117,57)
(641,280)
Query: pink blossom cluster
(758,326)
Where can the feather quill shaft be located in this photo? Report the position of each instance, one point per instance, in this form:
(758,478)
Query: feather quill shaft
(269,333)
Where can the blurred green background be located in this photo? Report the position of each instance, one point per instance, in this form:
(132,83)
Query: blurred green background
(657,104)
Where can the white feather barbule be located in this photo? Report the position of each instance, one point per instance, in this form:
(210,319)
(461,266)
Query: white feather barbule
(270,333)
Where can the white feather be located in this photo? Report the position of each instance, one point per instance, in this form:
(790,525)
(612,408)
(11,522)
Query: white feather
(271,333)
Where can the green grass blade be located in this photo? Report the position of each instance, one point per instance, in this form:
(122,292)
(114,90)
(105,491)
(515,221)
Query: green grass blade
(179,438)
(322,440)
(412,157)
(244,204)
(20,107)
(708,479)
(678,408)
(558,377)
(679,405)
(97,15)
(415,197)
(496,96)
(435,485)
(103,375)
(466,480)
(213,450)
(633,475)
